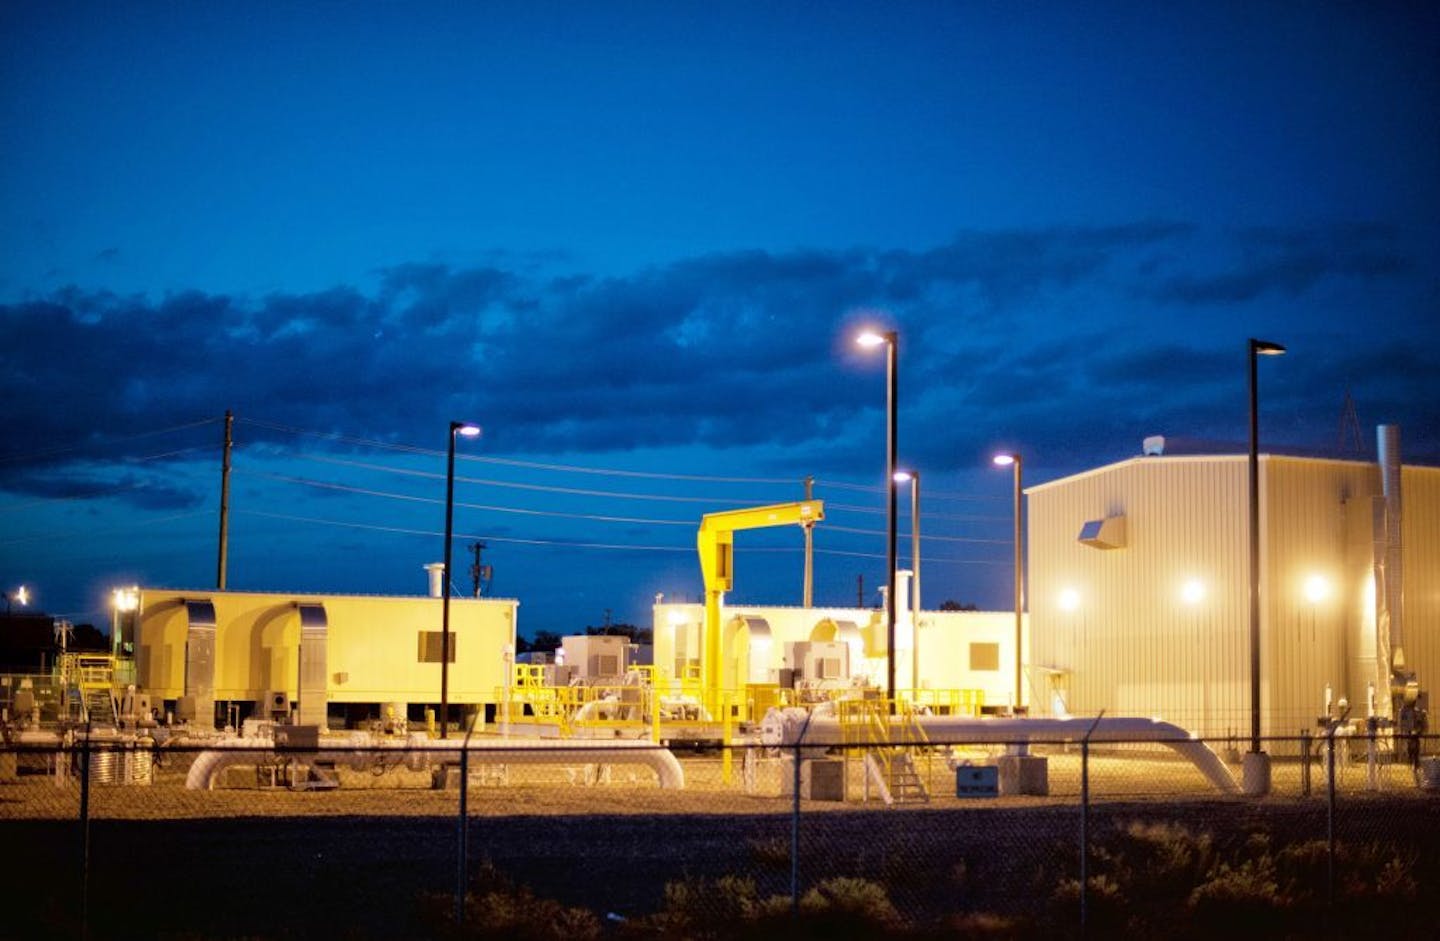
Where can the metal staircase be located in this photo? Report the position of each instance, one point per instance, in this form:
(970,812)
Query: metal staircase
(888,744)
(87,680)
(99,706)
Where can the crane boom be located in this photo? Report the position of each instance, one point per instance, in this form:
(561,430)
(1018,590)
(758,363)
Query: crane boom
(716,544)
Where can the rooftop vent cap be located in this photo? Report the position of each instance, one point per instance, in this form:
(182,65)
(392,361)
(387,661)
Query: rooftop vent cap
(1153,446)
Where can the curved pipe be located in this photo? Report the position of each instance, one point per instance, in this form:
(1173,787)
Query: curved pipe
(420,752)
(786,727)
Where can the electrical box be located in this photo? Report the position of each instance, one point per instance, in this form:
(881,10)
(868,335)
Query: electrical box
(817,661)
(558,674)
(597,659)
(977,781)
(277,704)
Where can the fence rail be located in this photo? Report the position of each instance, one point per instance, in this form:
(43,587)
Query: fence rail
(406,838)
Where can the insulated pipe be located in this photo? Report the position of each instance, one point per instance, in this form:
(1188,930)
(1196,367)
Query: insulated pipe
(788,728)
(420,752)
(1388,448)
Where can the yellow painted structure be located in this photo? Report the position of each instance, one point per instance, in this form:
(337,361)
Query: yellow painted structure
(367,649)
(964,655)
(716,545)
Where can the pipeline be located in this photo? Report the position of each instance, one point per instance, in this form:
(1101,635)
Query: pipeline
(786,727)
(420,752)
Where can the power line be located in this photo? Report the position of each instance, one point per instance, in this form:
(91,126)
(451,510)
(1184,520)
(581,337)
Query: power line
(512,462)
(106,440)
(363,491)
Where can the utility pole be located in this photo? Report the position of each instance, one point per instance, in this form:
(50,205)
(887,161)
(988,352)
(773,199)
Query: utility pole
(478,572)
(859,591)
(809,527)
(225,500)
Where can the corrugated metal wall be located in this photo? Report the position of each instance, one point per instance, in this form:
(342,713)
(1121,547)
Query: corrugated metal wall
(1310,597)
(1421,535)
(1116,620)
(1128,642)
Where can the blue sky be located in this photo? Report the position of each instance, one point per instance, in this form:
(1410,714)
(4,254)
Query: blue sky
(633,241)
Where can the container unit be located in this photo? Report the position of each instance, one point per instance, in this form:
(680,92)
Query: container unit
(208,653)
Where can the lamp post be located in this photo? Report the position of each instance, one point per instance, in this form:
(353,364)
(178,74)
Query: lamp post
(913,477)
(465,429)
(891,340)
(1256,764)
(1013,460)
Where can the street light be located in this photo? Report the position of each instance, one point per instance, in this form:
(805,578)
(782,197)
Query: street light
(466,430)
(913,477)
(1013,460)
(123,604)
(1256,766)
(891,340)
(21,595)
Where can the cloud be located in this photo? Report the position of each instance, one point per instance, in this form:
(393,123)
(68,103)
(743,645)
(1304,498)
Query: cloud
(1065,339)
(1291,262)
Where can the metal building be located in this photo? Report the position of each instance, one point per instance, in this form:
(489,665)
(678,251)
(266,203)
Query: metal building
(203,653)
(1139,589)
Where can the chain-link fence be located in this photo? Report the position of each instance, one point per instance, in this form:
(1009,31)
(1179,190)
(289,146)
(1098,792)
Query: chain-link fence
(364,837)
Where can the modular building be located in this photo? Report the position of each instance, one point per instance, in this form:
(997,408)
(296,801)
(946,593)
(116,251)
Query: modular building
(1139,590)
(957,650)
(317,659)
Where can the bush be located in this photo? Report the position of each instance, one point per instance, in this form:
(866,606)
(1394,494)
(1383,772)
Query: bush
(498,908)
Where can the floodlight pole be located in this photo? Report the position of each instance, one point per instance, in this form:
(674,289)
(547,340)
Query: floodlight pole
(456,427)
(1256,767)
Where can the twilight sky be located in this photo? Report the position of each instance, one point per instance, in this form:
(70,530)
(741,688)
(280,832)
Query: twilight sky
(635,240)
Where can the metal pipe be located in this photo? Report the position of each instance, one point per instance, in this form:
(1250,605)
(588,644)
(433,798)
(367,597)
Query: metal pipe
(421,752)
(781,726)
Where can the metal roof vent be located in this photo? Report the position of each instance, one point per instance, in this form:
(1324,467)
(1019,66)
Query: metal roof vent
(1153,446)
(1108,533)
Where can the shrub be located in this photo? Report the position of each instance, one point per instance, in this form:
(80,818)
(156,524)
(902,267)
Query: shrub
(498,908)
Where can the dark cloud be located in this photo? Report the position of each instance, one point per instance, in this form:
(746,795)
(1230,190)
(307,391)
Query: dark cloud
(1063,338)
(1291,262)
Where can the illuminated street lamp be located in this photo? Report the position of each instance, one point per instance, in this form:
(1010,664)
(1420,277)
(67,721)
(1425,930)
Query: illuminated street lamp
(1256,767)
(891,340)
(123,603)
(466,430)
(913,477)
(1013,460)
(20,595)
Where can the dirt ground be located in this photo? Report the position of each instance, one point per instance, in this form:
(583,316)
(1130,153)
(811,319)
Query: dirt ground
(355,861)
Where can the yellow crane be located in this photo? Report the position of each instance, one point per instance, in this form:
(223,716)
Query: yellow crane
(716,543)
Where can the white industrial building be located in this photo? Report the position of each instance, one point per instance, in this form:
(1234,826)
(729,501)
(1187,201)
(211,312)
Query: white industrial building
(1139,588)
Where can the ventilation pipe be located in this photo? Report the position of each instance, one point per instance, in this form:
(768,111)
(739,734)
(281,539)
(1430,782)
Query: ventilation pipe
(437,578)
(1395,672)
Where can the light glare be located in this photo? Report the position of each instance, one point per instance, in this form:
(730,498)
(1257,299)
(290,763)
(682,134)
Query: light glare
(1193,591)
(1317,589)
(1069,599)
(870,339)
(1003,460)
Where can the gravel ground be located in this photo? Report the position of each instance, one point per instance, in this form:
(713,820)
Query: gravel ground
(355,861)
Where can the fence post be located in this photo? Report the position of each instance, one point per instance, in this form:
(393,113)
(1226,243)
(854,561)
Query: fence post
(1304,762)
(1085,822)
(85,835)
(1330,816)
(462,863)
(795,836)
(462,866)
